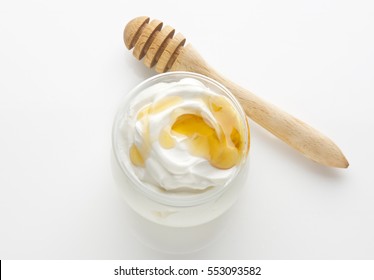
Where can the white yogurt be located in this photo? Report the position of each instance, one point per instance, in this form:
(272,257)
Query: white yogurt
(174,168)
(173,186)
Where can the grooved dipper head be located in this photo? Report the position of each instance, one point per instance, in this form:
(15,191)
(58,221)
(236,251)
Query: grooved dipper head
(157,45)
(133,30)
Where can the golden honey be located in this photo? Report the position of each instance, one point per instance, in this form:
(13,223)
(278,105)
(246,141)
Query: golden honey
(221,142)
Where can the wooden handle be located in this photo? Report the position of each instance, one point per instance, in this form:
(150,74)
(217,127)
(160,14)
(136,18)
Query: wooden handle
(166,51)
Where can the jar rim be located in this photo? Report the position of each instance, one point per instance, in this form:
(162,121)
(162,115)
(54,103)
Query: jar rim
(125,165)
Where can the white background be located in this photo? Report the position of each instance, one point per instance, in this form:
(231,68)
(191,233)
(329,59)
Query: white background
(64,69)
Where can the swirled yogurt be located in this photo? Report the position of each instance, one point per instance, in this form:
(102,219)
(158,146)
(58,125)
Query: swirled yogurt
(183,136)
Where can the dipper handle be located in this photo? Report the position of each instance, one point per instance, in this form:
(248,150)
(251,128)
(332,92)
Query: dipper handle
(166,52)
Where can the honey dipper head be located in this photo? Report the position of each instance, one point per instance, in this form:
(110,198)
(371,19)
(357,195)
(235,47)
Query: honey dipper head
(157,45)
(133,30)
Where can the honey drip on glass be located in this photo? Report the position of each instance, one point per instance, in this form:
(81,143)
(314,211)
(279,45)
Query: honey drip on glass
(220,143)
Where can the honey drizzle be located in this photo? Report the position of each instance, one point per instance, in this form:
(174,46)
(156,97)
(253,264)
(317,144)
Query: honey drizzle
(222,146)
(135,156)
(165,139)
(139,153)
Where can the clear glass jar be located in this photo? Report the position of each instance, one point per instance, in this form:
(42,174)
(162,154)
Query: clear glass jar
(170,208)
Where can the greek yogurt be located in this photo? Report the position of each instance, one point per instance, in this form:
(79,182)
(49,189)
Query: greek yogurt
(183,136)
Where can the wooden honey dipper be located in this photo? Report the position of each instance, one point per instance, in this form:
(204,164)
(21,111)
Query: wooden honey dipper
(160,48)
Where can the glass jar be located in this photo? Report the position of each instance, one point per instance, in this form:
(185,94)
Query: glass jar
(171,208)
